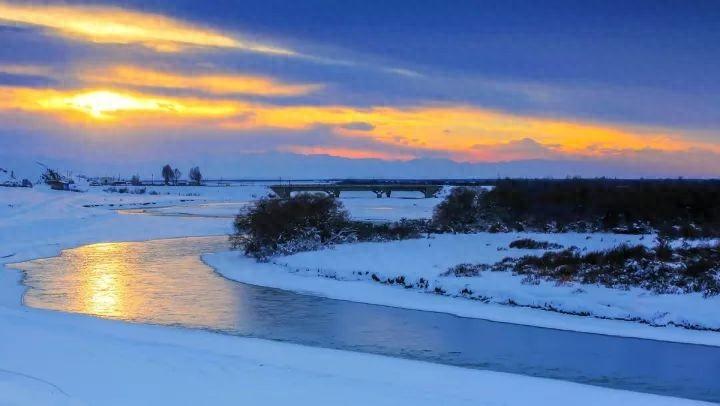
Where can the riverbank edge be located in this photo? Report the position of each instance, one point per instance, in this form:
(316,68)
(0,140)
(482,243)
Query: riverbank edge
(237,267)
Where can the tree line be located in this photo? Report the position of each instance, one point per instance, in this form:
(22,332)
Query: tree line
(688,208)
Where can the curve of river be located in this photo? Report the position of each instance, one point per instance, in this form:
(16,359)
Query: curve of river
(165,282)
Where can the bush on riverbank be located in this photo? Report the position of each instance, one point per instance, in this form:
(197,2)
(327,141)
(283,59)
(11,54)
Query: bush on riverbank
(309,222)
(530,244)
(459,212)
(661,269)
(290,225)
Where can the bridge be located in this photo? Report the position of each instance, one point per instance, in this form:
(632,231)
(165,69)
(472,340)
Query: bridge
(284,191)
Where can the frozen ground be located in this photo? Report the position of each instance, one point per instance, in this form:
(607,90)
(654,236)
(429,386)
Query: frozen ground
(50,358)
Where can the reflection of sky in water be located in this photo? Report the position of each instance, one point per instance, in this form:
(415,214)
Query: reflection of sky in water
(164,282)
(153,282)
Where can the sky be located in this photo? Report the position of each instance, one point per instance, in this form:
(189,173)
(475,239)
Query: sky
(617,88)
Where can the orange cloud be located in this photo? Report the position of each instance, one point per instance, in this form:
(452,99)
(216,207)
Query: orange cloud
(459,129)
(215,84)
(354,153)
(112,25)
(462,132)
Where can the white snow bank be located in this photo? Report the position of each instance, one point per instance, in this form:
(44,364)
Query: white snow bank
(72,359)
(347,273)
(39,222)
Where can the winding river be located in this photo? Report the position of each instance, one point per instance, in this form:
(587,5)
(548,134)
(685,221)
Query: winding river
(165,282)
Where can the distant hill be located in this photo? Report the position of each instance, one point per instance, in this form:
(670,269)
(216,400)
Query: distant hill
(295,166)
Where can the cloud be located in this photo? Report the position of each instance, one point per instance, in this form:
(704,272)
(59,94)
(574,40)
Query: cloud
(358,126)
(460,132)
(353,153)
(26,70)
(112,25)
(525,148)
(457,129)
(109,105)
(219,84)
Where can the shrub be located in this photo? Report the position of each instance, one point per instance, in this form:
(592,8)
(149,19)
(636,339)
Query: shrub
(133,191)
(530,244)
(309,222)
(661,269)
(459,212)
(400,230)
(289,225)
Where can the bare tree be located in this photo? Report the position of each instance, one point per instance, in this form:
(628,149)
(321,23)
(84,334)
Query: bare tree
(167,174)
(176,175)
(195,176)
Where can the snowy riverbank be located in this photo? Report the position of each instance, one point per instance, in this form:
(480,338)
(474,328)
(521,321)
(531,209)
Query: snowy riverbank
(365,269)
(52,358)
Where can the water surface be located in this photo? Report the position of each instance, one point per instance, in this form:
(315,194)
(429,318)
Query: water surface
(164,282)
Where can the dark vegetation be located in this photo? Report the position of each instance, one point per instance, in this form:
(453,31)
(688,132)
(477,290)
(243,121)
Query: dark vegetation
(530,244)
(307,222)
(168,174)
(123,189)
(195,176)
(661,269)
(677,208)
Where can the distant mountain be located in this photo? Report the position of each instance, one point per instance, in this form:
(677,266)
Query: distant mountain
(295,166)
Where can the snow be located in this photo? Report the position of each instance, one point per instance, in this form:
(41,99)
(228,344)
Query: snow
(53,358)
(70,359)
(351,279)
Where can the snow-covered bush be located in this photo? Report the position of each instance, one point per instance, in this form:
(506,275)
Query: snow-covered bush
(530,244)
(459,212)
(661,269)
(309,222)
(284,226)
(124,189)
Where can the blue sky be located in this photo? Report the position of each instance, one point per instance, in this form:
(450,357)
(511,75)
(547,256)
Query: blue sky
(614,82)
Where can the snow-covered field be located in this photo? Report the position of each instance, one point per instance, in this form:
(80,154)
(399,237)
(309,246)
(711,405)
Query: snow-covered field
(56,358)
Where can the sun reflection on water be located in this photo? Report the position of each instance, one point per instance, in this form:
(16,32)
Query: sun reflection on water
(154,282)
(104,290)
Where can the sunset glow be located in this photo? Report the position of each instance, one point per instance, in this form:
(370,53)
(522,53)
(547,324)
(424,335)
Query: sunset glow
(143,71)
(211,83)
(111,25)
(464,132)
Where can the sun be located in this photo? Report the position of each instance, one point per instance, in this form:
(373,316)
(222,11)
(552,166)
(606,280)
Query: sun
(99,104)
